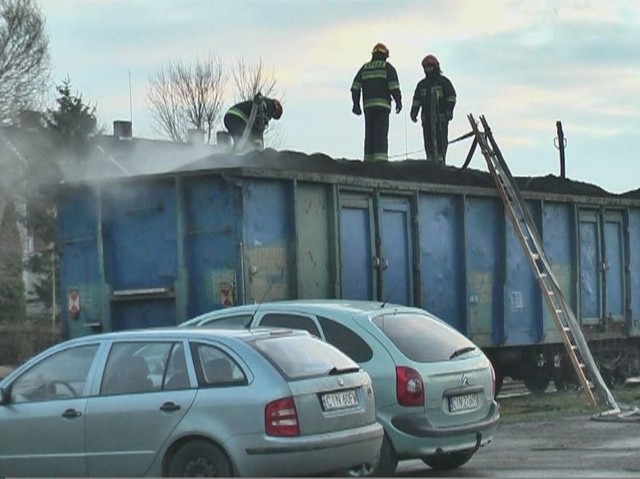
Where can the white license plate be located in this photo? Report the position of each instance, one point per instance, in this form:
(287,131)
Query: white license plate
(464,402)
(339,400)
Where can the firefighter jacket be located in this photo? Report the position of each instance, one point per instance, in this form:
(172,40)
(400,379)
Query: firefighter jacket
(436,97)
(263,115)
(378,81)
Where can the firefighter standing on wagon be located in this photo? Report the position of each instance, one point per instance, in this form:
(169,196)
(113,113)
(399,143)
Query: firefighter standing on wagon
(378,80)
(436,97)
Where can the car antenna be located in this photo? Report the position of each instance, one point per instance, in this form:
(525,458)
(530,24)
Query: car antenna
(384,303)
(260,303)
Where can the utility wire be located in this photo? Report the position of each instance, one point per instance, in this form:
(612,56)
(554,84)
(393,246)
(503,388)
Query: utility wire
(406,154)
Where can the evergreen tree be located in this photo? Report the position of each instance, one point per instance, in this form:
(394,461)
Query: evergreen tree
(12,289)
(73,122)
(41,221)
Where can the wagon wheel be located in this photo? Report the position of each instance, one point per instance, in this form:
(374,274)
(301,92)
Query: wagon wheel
(537,373)
(564,376)
(537,383)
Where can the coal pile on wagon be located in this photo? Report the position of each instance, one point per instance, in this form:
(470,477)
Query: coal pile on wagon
(419,171)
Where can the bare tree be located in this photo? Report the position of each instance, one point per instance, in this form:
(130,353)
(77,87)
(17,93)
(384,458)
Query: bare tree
(183,95)
(253,78)
(24,58)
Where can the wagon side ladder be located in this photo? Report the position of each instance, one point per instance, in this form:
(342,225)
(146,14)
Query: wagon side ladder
(525,228)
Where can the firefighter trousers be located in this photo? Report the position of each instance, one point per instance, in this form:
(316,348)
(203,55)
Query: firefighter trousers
(236,127)
(376,134)
(436,140)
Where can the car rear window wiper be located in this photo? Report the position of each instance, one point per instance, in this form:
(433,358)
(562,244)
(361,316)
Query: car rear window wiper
(461,351)
(334,370)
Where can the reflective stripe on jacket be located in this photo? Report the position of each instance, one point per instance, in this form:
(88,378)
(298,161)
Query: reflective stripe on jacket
(241,110)
(437,90)
(378,81)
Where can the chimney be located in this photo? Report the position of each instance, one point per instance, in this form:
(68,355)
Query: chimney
(223,138)
(122,130)
(195,136)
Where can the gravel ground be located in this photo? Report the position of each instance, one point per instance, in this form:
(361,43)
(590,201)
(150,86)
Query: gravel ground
(554,435)
(573,446)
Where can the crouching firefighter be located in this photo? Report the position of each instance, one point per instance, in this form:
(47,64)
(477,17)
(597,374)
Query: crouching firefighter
(247,121)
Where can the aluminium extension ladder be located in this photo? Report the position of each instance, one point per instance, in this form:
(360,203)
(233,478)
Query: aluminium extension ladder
(524,226)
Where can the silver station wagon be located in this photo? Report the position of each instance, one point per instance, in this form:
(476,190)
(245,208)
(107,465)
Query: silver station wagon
(434,389)
(188,403)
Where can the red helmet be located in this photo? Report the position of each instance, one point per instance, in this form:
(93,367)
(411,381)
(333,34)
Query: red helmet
(430,60)
(381,48)
(277,109)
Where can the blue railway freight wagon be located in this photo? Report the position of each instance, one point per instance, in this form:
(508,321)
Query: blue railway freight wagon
(155,250)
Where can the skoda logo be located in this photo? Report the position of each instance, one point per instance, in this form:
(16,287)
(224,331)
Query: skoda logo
(340,382)
(465,380)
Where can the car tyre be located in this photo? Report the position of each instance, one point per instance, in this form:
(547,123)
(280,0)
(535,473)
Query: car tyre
(448,460)
(200,459)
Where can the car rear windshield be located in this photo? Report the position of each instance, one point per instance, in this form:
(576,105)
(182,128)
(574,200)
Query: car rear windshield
(299,357)
(422,338)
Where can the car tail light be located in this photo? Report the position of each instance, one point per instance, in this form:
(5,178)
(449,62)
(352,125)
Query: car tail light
(409,387)
(281,418)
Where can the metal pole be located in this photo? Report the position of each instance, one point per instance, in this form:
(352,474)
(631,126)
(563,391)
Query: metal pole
(130,100)
(53,290)
(561,144)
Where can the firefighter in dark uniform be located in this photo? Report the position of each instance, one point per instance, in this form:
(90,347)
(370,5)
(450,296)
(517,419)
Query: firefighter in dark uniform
(237,117)
(378,81)
(436,97)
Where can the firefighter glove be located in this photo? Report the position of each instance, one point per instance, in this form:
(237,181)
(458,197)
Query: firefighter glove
(414,117)
(356,109)
(398,106)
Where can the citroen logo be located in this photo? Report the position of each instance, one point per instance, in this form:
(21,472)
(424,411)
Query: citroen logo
(465,380)
(340,382)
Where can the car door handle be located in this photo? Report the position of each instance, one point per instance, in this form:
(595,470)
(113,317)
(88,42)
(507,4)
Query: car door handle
(71,413)
(169,406)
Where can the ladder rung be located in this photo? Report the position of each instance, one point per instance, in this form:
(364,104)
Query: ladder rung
(566,329)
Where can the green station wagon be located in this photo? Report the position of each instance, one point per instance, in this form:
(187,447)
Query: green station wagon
(434,389)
